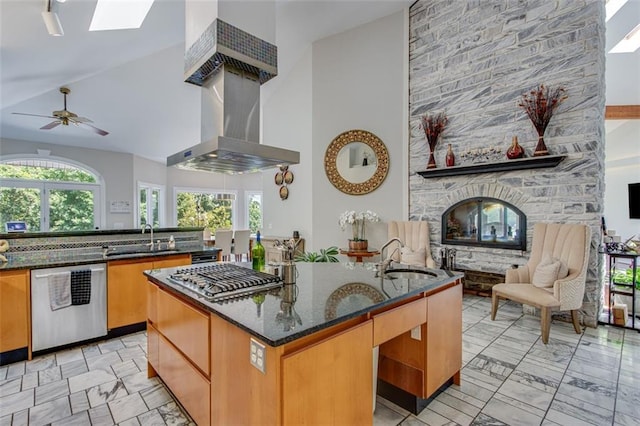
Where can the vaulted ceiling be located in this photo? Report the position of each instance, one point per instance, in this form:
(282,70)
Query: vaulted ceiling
(130,82)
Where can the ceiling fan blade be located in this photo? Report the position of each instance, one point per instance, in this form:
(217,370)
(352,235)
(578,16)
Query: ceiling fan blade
(80,120)
(50,125)
(95,129)
(33,115)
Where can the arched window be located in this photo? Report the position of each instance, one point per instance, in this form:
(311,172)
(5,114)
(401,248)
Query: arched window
(49,194)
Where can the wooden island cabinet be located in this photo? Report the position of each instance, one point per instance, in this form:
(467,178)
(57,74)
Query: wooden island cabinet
(256,360)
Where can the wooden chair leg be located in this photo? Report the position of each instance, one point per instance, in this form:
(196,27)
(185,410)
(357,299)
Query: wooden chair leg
(494,305)
(576,322)
(545,324)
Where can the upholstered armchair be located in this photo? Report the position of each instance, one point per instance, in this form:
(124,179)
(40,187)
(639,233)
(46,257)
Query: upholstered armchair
(415,238)
(554,277)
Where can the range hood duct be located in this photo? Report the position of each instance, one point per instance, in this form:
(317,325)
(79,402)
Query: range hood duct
(230,65)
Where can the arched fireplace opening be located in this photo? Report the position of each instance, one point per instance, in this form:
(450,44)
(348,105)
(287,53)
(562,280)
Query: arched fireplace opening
(485,222)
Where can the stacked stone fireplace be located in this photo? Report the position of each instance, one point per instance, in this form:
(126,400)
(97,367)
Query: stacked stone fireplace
(473,61)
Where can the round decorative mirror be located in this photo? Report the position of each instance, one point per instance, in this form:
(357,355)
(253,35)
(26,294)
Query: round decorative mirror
(356,162)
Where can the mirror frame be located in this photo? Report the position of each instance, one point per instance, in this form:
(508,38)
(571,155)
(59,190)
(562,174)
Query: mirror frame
(331,156)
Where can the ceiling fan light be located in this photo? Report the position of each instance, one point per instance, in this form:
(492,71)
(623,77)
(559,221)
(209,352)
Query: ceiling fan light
(52,22)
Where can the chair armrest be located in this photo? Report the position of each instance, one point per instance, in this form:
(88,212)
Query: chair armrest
(570,290)
(518,275)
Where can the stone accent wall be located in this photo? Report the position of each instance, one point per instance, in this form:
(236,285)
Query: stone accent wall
(474,59)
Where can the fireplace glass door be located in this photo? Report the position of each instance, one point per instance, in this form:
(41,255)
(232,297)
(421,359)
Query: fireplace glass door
(485,222)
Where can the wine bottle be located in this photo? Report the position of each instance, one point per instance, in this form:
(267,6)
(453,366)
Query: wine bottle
(257,253)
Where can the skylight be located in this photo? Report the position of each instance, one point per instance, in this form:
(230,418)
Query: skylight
(119,14)
(613,6)
(629,43)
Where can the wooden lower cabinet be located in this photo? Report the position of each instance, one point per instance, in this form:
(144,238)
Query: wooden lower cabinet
(186,327)
(330,382)
(299,385)
(127,288)
(444,338)
(126,292)
(15,317)
(153,350)
(322,378)
(422,362)
(178,350)
(189,386)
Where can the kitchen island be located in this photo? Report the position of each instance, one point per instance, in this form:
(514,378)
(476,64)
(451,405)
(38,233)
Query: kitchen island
(302,353)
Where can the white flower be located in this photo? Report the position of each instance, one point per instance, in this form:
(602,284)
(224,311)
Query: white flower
(349,217)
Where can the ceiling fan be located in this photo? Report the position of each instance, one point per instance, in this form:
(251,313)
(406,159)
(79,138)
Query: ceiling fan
(65,117)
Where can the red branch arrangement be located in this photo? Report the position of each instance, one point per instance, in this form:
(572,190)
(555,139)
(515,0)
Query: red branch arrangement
(540,104)
(433,126)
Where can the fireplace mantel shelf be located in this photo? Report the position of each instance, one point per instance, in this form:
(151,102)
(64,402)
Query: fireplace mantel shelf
(519,164)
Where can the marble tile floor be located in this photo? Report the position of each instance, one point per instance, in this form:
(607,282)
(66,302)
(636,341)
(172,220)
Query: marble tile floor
(508,378)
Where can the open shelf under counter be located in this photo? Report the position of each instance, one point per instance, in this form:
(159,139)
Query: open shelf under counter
(518,164)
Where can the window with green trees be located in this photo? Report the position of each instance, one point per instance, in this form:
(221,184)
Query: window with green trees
(150,200)
(205,209)
(48,195)
(254,206)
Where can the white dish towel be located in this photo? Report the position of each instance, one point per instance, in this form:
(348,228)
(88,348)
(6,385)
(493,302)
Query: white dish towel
(60,290)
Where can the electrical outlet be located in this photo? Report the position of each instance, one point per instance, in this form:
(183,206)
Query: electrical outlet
(257,355)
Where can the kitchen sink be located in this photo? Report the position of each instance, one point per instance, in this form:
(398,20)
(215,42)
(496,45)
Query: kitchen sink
(408,274)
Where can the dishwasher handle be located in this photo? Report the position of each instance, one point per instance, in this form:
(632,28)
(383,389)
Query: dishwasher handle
(61,273)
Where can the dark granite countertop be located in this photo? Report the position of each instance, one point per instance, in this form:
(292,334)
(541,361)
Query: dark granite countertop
(27,260)
(325,294)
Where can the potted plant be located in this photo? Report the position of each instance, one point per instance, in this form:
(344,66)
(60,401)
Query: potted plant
(325,255)
(357,221)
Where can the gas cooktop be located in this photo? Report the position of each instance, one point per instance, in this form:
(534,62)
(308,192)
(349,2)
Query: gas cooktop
(223,281)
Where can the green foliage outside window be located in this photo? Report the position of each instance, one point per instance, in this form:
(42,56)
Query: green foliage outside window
(45,173)
(20,204)
(69,209)
(197,209)
(255,215)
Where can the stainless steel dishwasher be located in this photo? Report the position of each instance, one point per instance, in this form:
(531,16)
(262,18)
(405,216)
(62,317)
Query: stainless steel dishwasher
(73,323)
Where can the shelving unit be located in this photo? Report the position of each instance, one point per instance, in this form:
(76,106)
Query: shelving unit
(519,164)
(623,289)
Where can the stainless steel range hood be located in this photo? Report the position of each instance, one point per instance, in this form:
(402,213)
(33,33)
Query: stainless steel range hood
(230,65)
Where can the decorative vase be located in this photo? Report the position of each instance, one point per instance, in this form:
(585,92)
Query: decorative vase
(541,148)
(432,161)
(358,245)
(450,158)
(515,150)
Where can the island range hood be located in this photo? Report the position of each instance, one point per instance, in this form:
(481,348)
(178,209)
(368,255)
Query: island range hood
(230,65)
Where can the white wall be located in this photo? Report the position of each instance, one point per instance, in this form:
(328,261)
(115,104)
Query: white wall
(286,123)
(622,167)
(360,82)
(353,80)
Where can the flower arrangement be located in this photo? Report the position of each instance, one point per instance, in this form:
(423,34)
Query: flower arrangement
(357,222)
(433,126)
(539,104)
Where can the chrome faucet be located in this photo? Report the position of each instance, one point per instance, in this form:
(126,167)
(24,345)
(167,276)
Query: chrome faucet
(151,228)
(385,262)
